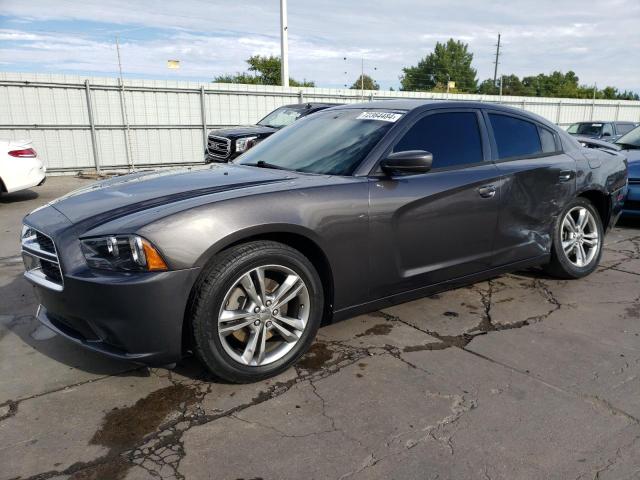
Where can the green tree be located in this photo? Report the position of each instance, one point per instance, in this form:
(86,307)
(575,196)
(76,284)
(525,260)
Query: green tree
(365,82)
(449,61)
(556,84)
(262,71)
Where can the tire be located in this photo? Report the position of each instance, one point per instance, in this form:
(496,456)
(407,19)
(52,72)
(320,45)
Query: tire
(230,289)
(565,259)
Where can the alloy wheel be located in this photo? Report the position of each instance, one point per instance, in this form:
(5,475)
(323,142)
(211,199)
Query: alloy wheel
(580,238)
(263,315)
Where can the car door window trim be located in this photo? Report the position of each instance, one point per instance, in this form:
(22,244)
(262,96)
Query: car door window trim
(494,146)
(376,171)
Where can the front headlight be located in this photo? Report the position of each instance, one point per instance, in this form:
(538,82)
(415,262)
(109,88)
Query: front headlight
(122,252)
(243,144)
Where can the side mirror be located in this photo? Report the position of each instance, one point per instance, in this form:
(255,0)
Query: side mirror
(606,134)
(407,162)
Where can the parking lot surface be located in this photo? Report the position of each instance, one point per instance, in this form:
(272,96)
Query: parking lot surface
(521,376)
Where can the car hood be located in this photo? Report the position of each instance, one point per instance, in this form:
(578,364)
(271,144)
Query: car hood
(139,191)
(242,131)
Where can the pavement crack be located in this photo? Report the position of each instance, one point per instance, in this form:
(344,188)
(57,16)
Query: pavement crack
(8,409)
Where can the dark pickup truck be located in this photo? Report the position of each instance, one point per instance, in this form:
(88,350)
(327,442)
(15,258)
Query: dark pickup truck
(225,144)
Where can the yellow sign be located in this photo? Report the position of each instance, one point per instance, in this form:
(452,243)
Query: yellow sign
(173,64)
(452,85)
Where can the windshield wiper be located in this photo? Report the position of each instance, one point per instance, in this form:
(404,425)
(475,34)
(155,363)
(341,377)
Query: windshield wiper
(263,164)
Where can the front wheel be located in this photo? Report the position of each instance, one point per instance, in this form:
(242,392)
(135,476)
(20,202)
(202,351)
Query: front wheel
(577,241)
(256,311)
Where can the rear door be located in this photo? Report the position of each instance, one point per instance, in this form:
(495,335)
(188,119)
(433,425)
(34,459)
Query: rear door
(536,181)
(439,225)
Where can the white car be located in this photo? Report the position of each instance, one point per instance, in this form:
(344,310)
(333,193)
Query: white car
(20,166)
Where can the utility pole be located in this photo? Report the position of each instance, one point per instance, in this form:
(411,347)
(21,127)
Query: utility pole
(123,106)
(495,71)
(501,82)
(284,44)
(362,79)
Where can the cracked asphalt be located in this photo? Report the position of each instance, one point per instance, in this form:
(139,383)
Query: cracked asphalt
(521,376)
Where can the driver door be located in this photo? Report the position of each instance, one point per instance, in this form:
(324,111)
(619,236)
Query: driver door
(440,225)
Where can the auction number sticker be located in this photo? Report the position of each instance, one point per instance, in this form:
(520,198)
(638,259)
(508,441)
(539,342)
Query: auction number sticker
(383,116)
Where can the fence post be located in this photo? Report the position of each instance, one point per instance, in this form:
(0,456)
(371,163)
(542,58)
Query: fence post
(300,96)
(617,111)
(203,114)
(92,124)
(558,113)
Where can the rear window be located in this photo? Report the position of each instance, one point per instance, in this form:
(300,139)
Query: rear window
(515,137)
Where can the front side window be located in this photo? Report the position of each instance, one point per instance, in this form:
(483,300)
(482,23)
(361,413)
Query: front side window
(631,139)
(515,137)
(453,138)
(623,128)
(330,142)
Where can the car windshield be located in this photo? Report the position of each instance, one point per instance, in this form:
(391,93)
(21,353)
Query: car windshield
(281,117)
(332,142)
(630,140)
(585,128)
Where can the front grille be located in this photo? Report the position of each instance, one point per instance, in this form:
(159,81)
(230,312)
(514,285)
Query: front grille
(219,146)
(45,243)
(41,259)
(51,271)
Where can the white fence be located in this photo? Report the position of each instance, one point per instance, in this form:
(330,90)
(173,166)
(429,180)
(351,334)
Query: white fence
(79,123)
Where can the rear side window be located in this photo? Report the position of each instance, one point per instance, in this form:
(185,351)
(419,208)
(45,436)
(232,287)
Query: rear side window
(547,140)
(453,138)
(515,137)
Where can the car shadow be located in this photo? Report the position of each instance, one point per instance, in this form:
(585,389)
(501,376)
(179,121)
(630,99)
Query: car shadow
(20,196)
(628,221)
(21,325)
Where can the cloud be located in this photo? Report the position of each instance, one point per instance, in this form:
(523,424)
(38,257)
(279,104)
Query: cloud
(215,37)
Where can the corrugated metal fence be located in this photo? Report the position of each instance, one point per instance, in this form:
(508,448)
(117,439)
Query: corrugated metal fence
(78,123)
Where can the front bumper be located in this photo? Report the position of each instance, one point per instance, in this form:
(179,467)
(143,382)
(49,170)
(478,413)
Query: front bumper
(135,317)
(632,203)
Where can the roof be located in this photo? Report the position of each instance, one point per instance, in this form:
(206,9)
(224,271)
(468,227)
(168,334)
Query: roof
(629,122)
(311,105)
(409,105)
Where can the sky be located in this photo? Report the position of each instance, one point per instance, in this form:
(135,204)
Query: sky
(599,40)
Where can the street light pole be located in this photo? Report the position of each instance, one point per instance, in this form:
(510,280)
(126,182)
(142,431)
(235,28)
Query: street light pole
(284,44)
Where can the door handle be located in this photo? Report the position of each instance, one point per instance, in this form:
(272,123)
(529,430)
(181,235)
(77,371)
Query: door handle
(487,191)
(565,175)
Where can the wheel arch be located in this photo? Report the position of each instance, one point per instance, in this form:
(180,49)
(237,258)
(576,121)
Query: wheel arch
(294,239)
(601,201)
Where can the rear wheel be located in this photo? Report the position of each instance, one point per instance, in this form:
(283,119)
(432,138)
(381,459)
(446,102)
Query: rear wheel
(577,241)
(256,311)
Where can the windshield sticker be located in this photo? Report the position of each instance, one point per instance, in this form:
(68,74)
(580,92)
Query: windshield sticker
(383,116)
